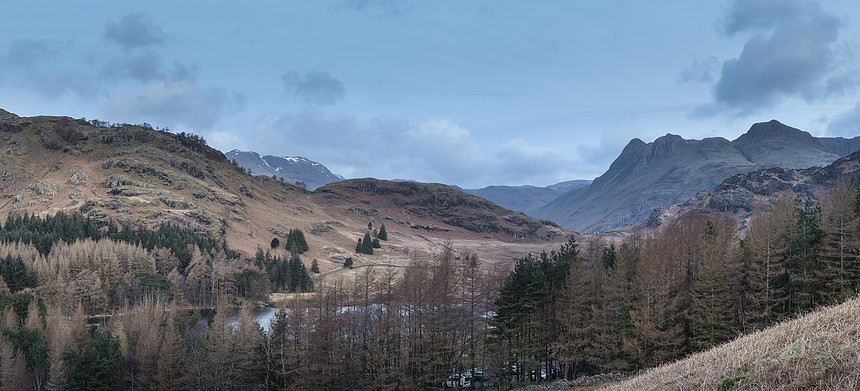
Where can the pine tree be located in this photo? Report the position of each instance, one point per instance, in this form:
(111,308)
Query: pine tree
(711,317)
(765,252)
(300,241)
(367,244)
(315,266)
(96,364)
(347,263)
(171,368)
(358,246)
(383,234)
(839,265)
(375,243)
(275,243)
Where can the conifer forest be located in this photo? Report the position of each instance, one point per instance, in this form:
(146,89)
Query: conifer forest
(130,307)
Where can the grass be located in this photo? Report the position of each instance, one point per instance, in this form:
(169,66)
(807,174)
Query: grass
(820,350)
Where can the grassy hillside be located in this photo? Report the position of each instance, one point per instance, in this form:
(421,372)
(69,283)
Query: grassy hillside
(142,176)
(818,351)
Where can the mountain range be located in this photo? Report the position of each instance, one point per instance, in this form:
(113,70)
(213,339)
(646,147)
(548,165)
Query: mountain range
(671,170)
(645,176)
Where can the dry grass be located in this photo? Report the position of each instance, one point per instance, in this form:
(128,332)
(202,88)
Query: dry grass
(819,351)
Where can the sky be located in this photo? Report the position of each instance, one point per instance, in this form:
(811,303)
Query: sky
(463,92)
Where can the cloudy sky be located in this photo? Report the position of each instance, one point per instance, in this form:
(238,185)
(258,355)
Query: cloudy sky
(465,92)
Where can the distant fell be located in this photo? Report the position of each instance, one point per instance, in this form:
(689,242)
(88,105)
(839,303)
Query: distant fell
(526,199)
(290,168)
(671,170)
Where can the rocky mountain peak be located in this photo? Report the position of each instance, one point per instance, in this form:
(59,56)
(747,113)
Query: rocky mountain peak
(773,130)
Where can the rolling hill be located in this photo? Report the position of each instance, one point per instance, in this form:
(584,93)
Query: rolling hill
(134,174)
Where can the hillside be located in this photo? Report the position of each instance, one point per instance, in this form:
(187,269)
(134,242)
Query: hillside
(434,207)
(671,169)
(135,174)
(291,169)
(740,193)
(817,351)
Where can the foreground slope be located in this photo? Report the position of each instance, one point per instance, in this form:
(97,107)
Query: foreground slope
(818,351)
(671,169)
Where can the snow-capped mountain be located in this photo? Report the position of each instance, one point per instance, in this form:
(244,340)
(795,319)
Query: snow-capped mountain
(291,168)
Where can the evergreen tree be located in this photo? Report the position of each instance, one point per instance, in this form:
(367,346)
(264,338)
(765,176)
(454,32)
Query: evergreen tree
(839,265)
(14,273)
(358,246)
(347,263)
(609,257)
(375,243)
(367,244)
(275,243)
(297,238)
(315,266)
(300,241)
(96,364)
(300,279)
(383,234)
(171,370)
(804,246)
(711,317)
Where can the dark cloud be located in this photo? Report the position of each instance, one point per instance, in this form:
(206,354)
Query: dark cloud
(846,124)
(314,86)
(134,31)
(790,54)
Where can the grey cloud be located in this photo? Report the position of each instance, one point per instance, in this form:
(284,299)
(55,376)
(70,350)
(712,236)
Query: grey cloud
(757,15)
(386,7)
(134,31)
(435,150)
(25,53)
(59,82)
(314,86)
(181,103)
(846,124)
(789,55)
(520,163)
(700,71)
(148,66)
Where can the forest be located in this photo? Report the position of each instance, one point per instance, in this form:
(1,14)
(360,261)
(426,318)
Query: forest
(88,307)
